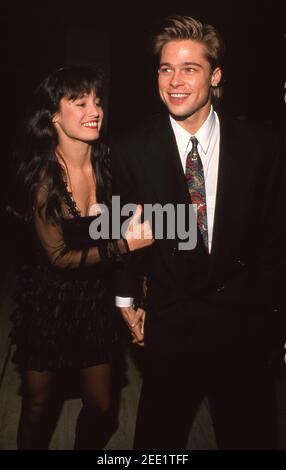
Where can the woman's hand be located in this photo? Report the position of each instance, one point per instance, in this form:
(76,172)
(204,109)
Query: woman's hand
(134,320)
(138,235)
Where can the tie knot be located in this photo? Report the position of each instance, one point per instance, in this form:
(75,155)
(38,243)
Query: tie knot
(195,142)
(194,152)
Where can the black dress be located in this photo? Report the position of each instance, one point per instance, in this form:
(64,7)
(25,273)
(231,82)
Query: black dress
(65,318)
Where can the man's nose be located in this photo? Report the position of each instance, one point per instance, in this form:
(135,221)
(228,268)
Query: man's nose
(176,78)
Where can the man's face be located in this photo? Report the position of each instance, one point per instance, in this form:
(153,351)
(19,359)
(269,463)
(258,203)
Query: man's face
(185,79)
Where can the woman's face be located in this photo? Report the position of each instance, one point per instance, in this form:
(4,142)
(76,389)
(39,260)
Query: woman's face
(79,119)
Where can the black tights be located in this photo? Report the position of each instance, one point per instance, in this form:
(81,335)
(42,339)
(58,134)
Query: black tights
(95,423)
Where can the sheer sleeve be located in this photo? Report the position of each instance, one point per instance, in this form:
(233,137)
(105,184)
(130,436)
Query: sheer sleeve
(52,240)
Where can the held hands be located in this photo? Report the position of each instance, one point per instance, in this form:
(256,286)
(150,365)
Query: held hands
(138,235)
(134,320)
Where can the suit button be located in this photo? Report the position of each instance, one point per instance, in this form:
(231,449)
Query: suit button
(240,262)
(174,250)
(220,288)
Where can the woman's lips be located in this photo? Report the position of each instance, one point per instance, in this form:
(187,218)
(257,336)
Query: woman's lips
(90,125)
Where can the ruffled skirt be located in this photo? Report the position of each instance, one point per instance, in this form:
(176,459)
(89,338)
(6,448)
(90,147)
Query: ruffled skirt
(63,320)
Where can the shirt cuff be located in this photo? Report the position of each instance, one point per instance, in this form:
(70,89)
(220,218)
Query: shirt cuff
(123,302)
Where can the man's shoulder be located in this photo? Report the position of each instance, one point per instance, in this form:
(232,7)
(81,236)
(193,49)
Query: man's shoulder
(143,132)
(250,130)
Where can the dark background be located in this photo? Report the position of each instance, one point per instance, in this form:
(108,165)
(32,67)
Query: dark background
(36,38)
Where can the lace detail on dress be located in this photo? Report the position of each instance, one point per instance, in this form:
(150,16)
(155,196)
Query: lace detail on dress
(70,202)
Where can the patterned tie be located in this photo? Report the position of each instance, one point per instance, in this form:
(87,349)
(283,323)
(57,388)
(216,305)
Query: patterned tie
(196,185)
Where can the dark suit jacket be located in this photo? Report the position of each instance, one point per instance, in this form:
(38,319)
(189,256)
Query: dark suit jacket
(192,290)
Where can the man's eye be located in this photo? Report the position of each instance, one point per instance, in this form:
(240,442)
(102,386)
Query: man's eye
(80,104)
(165,70)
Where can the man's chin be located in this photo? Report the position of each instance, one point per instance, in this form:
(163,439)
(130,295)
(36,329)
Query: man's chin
(179,116)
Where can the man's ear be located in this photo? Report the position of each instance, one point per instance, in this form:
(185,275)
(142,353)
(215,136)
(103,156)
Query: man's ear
(216,77)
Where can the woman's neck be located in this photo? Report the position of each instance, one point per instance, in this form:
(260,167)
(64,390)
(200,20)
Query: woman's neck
(76,156)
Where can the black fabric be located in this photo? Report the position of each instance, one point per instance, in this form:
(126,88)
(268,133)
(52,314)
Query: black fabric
(239,391)
(247,255)
(201,308)
(64,317)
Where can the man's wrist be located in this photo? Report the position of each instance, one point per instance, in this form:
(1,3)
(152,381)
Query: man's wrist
(123,302)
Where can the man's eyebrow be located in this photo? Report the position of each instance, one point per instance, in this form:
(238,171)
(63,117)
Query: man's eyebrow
(168,64)
(196,64)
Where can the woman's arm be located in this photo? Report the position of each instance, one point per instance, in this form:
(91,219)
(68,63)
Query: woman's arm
(52,239)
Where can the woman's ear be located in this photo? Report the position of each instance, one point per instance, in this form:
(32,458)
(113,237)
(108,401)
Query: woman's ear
(55,118)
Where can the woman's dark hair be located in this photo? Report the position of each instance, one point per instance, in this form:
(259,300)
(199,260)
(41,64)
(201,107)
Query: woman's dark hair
(37,159)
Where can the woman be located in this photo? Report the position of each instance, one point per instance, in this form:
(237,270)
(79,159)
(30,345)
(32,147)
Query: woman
(64,315)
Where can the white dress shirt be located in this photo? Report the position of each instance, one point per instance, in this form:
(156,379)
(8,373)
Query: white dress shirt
(208,147)
(208,137)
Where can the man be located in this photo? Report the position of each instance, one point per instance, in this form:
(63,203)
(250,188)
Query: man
(206,322)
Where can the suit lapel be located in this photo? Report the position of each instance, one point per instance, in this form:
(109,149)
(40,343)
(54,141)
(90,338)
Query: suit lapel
(167,181)
(235,179)
(222,195)
(160,165)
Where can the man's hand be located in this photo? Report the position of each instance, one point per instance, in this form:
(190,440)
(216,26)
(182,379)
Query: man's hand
(134,320)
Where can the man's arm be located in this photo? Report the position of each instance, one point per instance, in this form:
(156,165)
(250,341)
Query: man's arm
(128,279)
(273,249)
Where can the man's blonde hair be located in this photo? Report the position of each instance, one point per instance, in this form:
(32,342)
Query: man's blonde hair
(177,28)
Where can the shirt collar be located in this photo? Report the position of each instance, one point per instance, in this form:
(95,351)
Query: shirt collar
(203,134)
